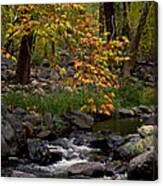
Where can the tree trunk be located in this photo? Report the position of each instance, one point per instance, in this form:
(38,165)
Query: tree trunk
(128,66)
(101,19)
(109,19)
(24,58)
(126,28)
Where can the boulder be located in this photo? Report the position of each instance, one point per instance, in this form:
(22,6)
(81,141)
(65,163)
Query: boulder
(134,148)
(106,141)
(143,167)
(13,135)
(41,153)
(123,112)
(90,169)
(145,109)
(147,130)
(115,167)
(80,119)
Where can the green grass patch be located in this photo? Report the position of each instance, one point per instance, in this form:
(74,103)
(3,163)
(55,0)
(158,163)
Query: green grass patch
(134,94)
(57,102)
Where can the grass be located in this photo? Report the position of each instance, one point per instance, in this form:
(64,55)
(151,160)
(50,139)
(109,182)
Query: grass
(134,94)
(57,102)
(62,101)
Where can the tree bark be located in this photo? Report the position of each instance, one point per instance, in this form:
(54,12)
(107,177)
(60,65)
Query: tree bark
(126,28)
(110,19)
(101,19)
(24,58)
(128,66)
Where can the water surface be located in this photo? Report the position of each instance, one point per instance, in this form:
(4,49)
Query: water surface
(122,126)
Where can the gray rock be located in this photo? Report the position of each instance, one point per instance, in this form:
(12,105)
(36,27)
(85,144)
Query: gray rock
(35,119)
(145,109)
(20,111)
(115,167)
(90,169)
(144,166)
(126,112)
(44,134)
(13,135)
(106,141)
(80,119)
(17,174)
(40,152)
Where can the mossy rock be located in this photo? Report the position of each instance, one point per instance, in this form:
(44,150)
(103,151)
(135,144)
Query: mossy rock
(132,149)
(147,130)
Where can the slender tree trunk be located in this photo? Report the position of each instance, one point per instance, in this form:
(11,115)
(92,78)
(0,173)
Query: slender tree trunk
(110,19)
(24,58)
(52,48)
(101,19)
(128,66)
(126,28)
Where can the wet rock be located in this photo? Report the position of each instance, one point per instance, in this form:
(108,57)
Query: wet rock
(123,112)
(115,167)
(106,141)
(90,169)
(144,109)
(17,174)
(13,135)
(44,134)
(40,152)
(81,120)
(132,149)
(144,166)
(64,142)
(147,130)
(133,137)
(152,120)
(81,137)
(56,153)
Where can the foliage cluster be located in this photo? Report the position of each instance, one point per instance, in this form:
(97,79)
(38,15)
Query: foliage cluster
(134,94)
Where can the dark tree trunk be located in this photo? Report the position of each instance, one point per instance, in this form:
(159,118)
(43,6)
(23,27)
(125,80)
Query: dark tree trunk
(24,58)
(101,19)
(52,48)
(126,28)
(135,41)
(110,19)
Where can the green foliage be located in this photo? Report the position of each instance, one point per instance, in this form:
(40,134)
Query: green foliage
(58,102)
(36,58)
(134,94)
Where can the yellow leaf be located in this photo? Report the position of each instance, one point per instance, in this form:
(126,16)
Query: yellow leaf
(93,108)
(84,107)
(90,100)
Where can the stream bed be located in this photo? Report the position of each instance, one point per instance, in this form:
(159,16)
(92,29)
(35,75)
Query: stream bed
(82,154)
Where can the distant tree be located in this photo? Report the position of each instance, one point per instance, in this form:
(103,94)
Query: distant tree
(126,28)
(101,19)
(110,19)
(128,66)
